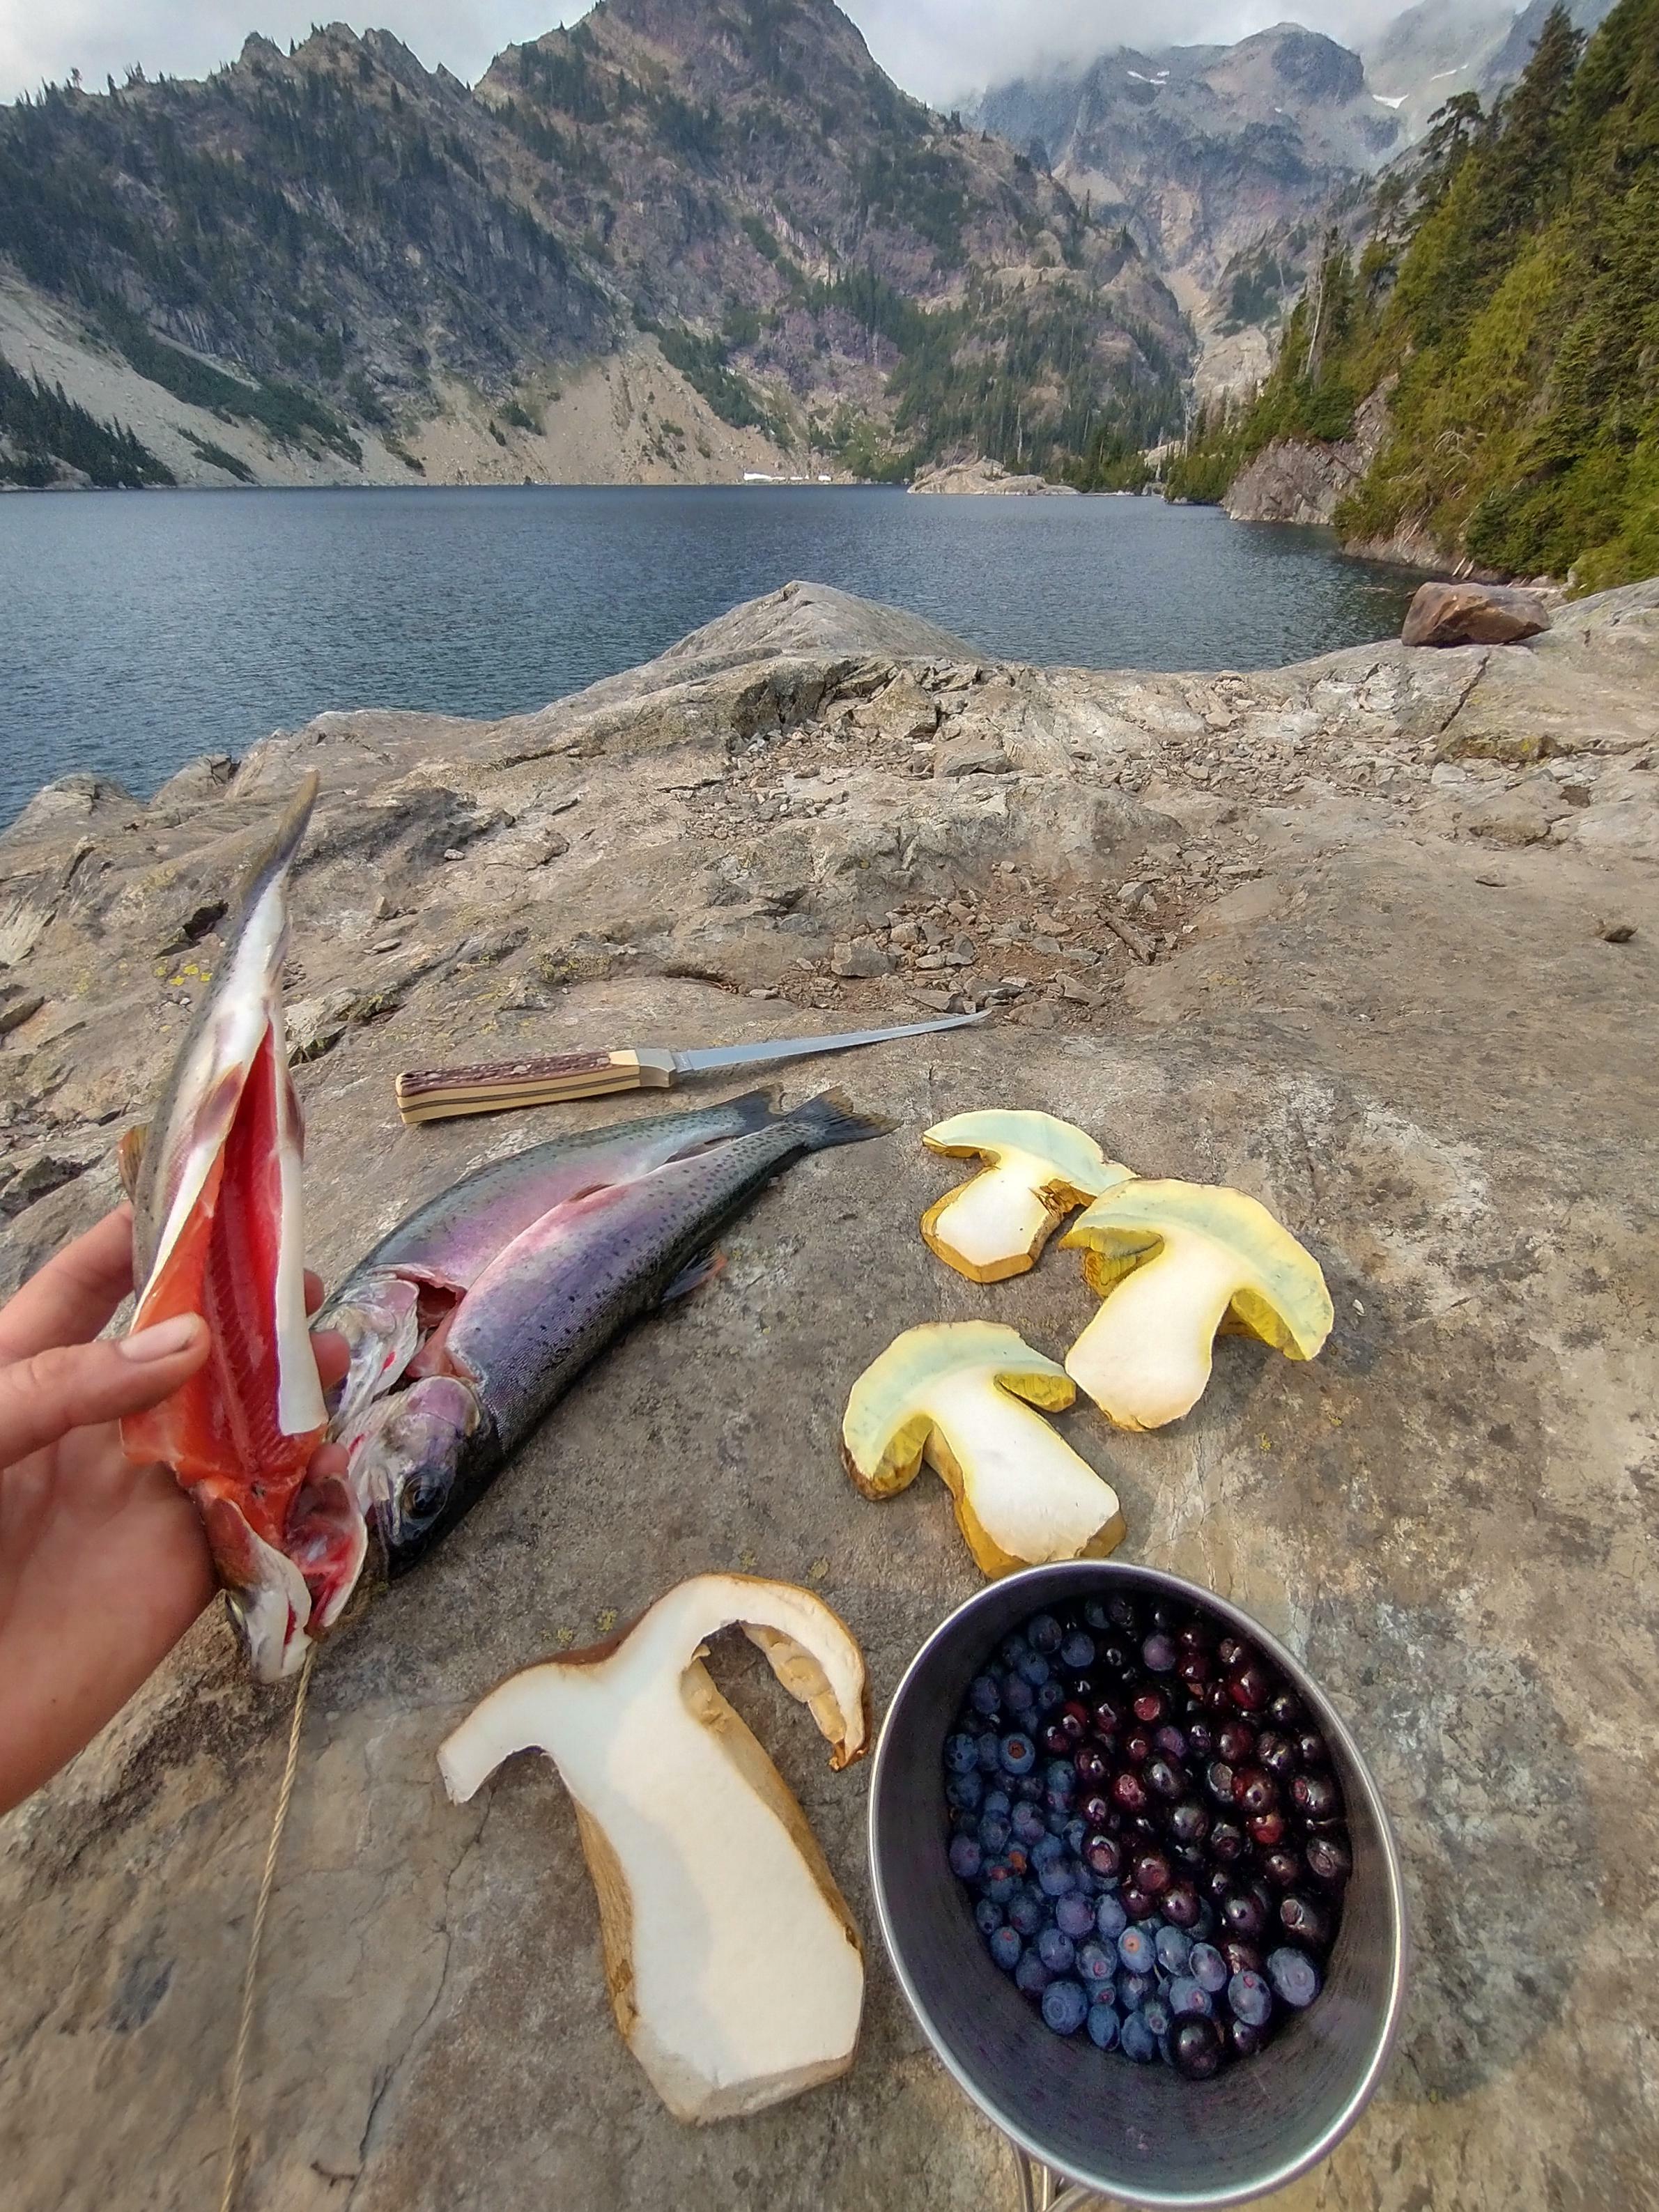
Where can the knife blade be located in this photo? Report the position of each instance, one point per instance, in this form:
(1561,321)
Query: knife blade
(439,1094)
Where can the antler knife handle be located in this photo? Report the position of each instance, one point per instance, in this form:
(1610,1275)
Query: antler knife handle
(438,1094)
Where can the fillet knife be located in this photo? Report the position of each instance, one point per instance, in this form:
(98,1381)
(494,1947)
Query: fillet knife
(438,1094)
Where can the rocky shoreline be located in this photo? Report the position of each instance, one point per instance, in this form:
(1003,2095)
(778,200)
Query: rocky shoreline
(1373,937)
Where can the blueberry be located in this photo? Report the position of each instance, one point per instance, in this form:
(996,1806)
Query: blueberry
(965,1790)
(1077,1834)
(1097,1964)
(993,1832)
(1057,1880)
(1110,1920)
(983,1695)
(1137,2041)
(1102,1852)
(1054,1817)
(1019,1697)
(1078,1652)
(961,1754)
(1065,2007)
(1060,1776)
(1174,1950)
(1188,1996)
(1134,1990)
(1074,1915)
(1242,1914)
(1246,2040)
(1195,2048)
(1007,1949)
(1137,1950)
(1305,1919)
(1027,1911)
(987,1749)
(998,1881)
(1047,1850)
(1158,1654)
(994,1801)
(1102,2026)
(1033,1670)
(1329,1859)
(1181,1905)
(1031,1975)
(1018,1754)
(1027,1824)
(1294,1976)
(1012,1650)
(1050,1696)
(1155,2011)
(1249,1999)
(987,1915)
(1028,1787)
(1056,1950)
(1043,1634)
(966,1857)
(1209,1968)
(1316,1796)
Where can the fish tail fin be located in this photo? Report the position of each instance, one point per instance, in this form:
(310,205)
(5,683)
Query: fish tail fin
(277,857)
(832,1118)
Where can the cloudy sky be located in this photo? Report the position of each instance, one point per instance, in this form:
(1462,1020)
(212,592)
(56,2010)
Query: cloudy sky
(940,49)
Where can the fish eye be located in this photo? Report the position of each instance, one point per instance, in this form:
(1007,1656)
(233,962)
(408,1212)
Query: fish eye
(421,1497)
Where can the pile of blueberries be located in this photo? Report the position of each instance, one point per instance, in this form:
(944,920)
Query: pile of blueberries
(1147,1821)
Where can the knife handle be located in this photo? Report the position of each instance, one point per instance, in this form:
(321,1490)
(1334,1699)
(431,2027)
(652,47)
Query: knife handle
(439,1094)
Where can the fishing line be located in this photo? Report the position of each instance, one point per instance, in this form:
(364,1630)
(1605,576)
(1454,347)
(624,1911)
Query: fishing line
(256,1938)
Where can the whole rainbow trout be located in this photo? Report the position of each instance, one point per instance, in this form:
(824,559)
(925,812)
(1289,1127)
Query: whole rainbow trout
(504,1342)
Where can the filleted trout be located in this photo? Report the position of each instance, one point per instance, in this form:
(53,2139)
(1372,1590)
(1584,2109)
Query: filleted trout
(218,1229)
(497,1351)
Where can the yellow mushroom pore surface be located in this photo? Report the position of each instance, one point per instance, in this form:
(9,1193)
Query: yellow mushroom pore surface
(1026,1487)
(998,1216)
(1144,1357)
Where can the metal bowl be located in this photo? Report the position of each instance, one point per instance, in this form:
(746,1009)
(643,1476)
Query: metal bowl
(1134,2132)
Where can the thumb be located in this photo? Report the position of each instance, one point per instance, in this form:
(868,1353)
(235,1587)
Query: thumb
(73,1385)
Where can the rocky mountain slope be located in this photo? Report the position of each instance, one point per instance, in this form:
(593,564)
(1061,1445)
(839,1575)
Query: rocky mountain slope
(1376,899)
(1206,149)
(1487,361)
(339,263)
(1226,163)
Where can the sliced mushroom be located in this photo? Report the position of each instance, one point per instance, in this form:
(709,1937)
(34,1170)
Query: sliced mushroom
(1174,1263)
(734,1968)
(1039,1168)
(960,1395)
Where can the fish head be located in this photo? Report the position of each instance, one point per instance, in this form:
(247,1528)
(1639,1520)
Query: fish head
(419,1462)
(218,1231)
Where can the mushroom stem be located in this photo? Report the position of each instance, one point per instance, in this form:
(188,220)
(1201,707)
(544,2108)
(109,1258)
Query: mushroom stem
(1145,1356)
(1023,1496)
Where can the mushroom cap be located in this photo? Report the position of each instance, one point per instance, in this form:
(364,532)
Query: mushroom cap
(888,1420)
(1281,1296)
(1038,1167)
(1072,1158)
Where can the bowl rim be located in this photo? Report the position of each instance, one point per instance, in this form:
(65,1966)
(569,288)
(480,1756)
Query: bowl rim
(1332,1725)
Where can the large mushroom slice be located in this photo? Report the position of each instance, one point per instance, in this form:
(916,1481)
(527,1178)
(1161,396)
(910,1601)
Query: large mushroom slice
(960,1395)
(733,1966)
(1174,1263)
(1038,1168)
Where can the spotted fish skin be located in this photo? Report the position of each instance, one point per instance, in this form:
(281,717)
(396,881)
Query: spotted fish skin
(445,1245)
(553,1298)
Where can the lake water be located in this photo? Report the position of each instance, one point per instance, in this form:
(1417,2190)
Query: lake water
(138,629)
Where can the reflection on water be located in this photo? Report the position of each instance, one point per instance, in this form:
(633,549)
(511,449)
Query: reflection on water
(142,628)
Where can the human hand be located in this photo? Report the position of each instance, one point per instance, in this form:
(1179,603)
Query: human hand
(103,1565)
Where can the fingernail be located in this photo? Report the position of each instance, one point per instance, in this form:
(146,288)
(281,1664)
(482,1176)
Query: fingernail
(162,1342)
